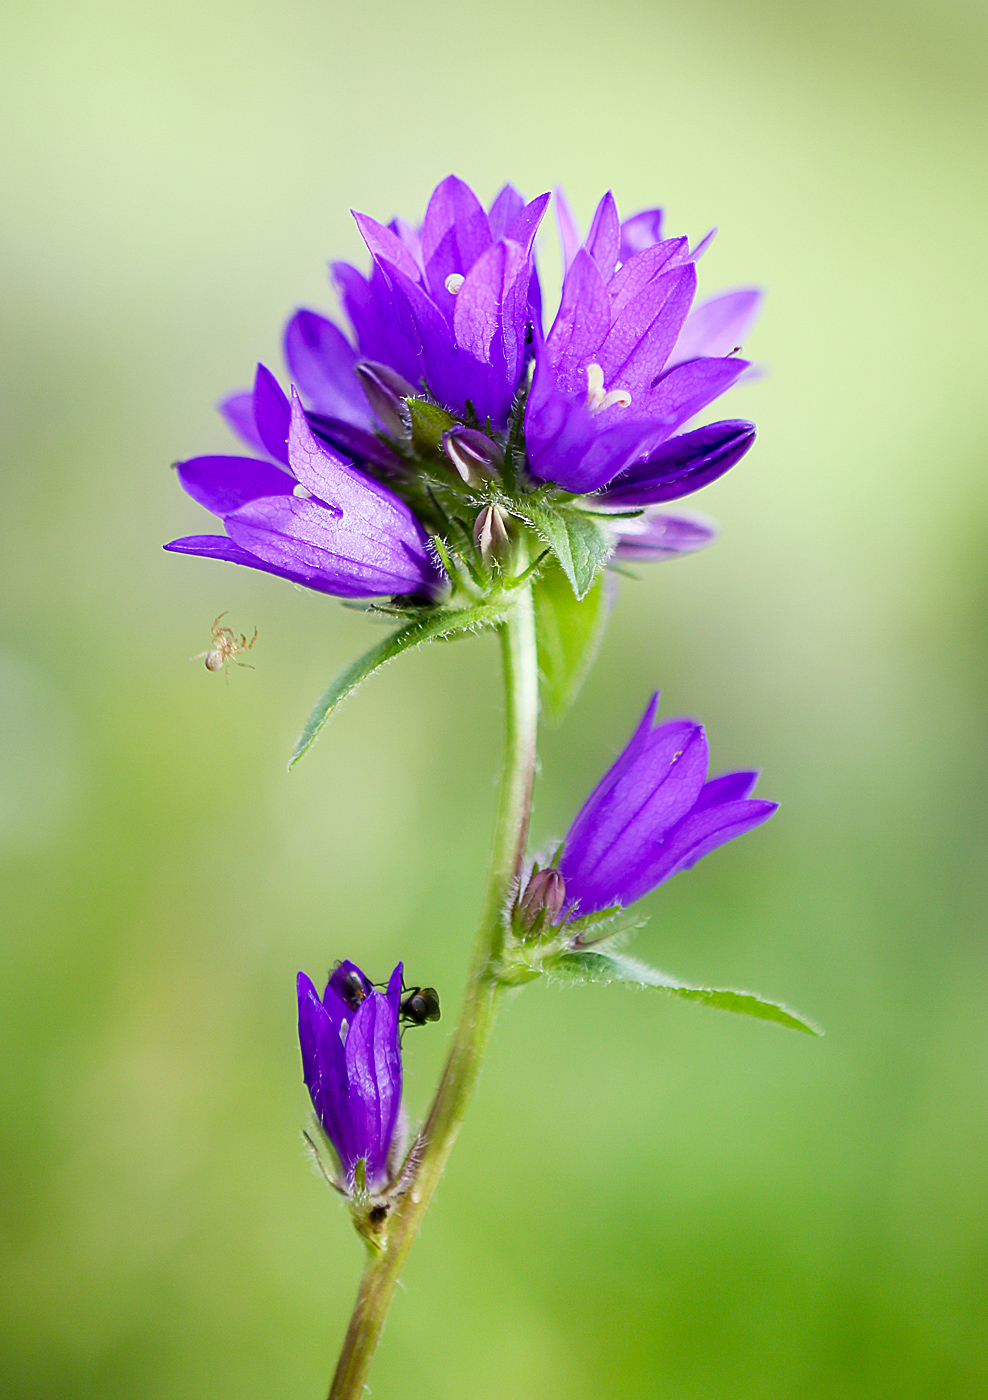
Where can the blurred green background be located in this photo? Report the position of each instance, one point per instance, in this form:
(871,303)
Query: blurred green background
(648,1199)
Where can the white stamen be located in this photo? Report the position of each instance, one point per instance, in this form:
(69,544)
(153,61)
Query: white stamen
(597,400)
(454,282)
(344,1027)
(301,492)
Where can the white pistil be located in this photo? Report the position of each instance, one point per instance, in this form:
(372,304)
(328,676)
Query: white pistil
(454,282)
(344,1028)
(597,400)
(301,492)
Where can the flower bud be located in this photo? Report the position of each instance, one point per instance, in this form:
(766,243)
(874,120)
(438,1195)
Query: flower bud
(490,533)
(544,894)
(474,455)
(386,392)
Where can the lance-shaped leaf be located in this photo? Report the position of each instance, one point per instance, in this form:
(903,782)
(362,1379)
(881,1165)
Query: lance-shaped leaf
(569,630)
(434,626)
(581,545)
(605,965)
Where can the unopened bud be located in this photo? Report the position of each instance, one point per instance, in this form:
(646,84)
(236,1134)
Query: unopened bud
(490,533)
(544,894)
(474,455)
(386,392)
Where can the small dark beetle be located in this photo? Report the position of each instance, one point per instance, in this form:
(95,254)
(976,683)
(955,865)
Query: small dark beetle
(420,1005)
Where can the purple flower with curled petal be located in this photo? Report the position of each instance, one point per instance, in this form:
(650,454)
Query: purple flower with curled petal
(653,813)
(351,1063)
(627,363)
(321,522)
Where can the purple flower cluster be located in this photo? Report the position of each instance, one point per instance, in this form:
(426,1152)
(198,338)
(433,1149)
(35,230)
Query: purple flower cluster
(451,315)
(351,1062)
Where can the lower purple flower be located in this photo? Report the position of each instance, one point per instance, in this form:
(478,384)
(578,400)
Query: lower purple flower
(351,1062)
(653,814)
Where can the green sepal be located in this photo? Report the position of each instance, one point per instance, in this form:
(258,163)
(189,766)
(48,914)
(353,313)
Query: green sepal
(429,422)
(435,625)
(581,545)
(569,630)
(604,965)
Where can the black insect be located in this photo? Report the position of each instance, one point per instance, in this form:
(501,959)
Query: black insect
(421,1004)
(352,989)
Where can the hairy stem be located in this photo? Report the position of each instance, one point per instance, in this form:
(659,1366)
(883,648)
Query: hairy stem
(520,660)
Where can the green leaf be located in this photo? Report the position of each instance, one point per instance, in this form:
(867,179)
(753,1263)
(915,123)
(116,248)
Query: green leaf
(429,422)
(434,626)
(569,630)
(593,965)
(579,543)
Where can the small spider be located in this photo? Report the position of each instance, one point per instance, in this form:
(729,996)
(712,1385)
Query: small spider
(225,648)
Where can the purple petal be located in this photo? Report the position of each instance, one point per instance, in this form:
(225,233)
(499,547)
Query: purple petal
(455,232)
(718,326)
(489,323)
(699,833)
(220,547)
(324,1071)
(682,465)
(411,237)
(373,1067)
(687,388)
(641,338)
(604,238)
(639,232)
(505,209)
(581,324)
(340,485)
(524,228)
(729,787)
(660,537)
(393,993)
(569,229)
(355,443)
(238,410)
(703,245)
(634,275)
(321,360)
(334,551)
(369,305)
(382,243)
(272,414)
(224,484)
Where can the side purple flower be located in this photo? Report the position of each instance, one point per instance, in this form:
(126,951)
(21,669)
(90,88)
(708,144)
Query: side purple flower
(308,515)
(351,1062)
(653,814)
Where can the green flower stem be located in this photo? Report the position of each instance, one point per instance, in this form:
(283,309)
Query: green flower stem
(521,684)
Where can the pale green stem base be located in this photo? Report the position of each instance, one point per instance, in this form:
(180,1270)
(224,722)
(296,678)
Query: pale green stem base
(510,834)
